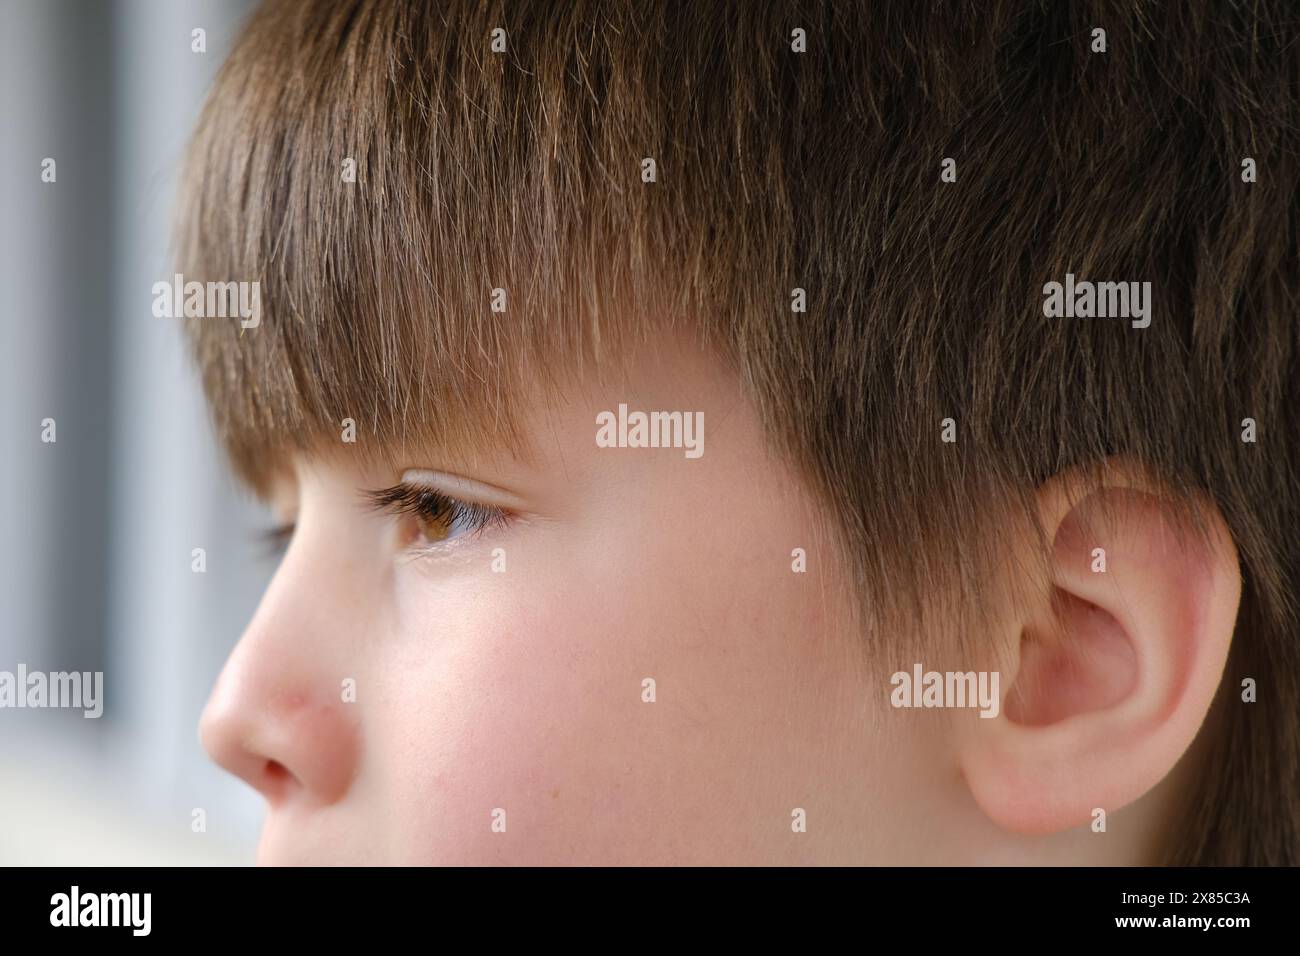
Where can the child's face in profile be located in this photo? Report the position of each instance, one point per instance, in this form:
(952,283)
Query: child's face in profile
(609,659)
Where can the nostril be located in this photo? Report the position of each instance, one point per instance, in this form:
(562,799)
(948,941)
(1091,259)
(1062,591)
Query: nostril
(276,777)
(281,741)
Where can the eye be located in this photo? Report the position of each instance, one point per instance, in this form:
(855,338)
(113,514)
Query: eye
(435,517)
(275,541)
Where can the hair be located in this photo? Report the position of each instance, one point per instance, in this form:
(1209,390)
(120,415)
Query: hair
(816,170)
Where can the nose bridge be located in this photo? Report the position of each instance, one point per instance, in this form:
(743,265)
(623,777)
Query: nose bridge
(279,716)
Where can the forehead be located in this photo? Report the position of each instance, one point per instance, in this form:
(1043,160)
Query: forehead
(554,435)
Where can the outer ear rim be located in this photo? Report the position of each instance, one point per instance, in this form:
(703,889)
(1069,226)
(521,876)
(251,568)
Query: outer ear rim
(1025,778)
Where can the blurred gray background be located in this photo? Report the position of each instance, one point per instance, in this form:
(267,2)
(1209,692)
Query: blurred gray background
(98,527)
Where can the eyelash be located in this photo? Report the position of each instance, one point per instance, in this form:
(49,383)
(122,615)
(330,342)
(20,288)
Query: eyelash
(426,504)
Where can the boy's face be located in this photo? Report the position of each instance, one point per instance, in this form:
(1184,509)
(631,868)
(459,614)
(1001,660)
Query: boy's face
(486,697)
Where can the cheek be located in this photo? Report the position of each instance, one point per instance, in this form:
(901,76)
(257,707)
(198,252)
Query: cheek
(527,701)
(531,697)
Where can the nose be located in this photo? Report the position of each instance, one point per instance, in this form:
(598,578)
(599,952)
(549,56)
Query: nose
(278,717)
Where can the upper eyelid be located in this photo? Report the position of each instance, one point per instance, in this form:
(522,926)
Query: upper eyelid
(406,497)
(460,488)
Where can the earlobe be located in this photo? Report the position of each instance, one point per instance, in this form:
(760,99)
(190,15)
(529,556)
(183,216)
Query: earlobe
(1116,664)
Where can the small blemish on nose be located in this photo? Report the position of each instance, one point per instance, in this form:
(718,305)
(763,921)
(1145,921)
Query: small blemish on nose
(288,703)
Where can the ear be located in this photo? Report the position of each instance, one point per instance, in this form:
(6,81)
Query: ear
(1116,659)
